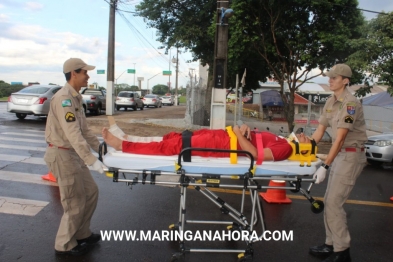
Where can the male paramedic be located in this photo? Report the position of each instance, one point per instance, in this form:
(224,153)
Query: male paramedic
(69,141)
(346,160)
(275,148)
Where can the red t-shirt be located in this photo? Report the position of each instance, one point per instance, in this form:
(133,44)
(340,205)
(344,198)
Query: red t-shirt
(206,138)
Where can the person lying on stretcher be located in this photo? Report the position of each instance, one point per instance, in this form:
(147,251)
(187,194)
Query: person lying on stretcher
(275,148)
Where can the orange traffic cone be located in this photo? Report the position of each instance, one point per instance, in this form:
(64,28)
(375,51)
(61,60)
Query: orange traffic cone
(49,177)
(277,196)
(391,199)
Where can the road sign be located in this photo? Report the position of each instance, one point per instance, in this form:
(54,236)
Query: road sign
(167,73)
(131,71)
(101,71)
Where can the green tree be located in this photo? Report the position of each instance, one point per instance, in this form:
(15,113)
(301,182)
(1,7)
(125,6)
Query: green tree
(296,37)
(374,53)
(160,89)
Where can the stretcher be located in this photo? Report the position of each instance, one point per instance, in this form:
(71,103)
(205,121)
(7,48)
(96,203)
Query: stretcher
(203,173)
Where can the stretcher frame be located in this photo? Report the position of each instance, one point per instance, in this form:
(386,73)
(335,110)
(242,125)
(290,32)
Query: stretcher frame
(201,183)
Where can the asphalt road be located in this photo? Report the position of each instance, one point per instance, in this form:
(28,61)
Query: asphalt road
(29,235)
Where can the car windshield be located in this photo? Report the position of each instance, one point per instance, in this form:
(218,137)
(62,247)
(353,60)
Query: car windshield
(150,96)
(34,90)
(126,95)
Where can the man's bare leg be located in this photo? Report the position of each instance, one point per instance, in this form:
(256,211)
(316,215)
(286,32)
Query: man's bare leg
(112,140)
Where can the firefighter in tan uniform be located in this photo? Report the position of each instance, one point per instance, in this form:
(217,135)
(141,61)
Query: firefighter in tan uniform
(69,142)
(346,159)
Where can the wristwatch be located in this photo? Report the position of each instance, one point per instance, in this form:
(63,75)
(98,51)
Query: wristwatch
(325,166)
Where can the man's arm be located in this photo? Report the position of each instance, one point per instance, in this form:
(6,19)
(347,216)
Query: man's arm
(246,145)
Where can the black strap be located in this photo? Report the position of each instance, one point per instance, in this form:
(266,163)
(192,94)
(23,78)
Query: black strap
(186,142)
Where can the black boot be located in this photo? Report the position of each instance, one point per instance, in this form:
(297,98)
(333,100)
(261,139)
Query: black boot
(322,250)
(342,256)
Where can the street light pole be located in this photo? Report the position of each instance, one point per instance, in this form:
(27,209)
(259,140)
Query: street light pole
(116,82)
(151,78)
(134,73)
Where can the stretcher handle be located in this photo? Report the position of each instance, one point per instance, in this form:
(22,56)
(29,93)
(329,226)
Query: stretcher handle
(216,150)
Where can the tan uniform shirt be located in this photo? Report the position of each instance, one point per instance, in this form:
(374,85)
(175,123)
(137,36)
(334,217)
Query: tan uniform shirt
(345,112)
(66,125)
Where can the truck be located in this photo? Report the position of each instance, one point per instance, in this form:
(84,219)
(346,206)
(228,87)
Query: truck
(94,100)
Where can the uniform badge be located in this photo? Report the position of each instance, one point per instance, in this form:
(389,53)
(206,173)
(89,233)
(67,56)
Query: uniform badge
(348,119)
(351,109)
(66,103)
(70,117)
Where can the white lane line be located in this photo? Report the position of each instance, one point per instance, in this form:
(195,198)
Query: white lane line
(23,147)
(17,139)
(23,159)
(19,206)
(23,134)
(24,177)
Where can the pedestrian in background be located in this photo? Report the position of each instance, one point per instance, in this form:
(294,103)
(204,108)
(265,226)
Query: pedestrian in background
(346,160)
(270,113)
(69,142)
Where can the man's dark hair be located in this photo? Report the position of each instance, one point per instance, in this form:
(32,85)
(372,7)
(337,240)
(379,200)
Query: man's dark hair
(68,75)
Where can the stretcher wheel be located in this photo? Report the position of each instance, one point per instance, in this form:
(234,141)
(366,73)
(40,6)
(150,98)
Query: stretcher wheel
(317,206)
(293,190)
(173,227)
(177,257)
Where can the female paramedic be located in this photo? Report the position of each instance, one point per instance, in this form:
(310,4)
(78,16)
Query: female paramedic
(346,159)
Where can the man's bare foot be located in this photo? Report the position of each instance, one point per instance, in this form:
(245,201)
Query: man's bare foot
(111,140)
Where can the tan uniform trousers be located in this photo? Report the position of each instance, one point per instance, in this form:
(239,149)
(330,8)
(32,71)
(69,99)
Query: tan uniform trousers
(78,193)
(346,168)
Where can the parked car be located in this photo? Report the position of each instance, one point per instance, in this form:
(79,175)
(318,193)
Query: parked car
(128,99)
(32,100)
(95,100)
(167,100)
(379,149)
(308,131)
(152,100)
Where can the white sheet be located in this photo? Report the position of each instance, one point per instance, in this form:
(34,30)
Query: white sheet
(211,165)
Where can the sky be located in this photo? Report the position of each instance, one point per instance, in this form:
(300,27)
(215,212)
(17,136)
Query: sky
(37,36)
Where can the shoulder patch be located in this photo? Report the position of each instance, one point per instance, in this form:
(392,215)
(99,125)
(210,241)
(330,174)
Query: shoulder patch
(348,119)
(66,103)
(70,117)
(351,109)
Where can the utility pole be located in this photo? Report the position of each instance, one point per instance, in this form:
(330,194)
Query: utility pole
(169,83)
(218,103)
(111,60)
(177,72)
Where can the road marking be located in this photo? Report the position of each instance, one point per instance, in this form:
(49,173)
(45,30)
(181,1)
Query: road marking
(349,201)
(19,206)
(24,177)
(23,147)
(23,159)
(17,139)
(42,134)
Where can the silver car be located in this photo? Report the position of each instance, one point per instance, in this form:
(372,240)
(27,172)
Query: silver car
(379,149)
(32,100)
(152,100)
(167,100)
(128,99)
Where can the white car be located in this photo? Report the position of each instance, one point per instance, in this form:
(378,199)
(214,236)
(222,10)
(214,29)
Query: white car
(167,100)
(31,100)
(379,149)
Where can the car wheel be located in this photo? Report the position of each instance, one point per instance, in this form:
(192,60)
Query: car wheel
(21,116)
(98,111)
(374,163)
(118,108)
(142,107)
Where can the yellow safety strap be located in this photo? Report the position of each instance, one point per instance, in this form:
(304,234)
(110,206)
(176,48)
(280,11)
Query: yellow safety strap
(233,145)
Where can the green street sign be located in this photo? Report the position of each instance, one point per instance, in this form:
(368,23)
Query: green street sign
(131,71)
(100,72)
(167,73)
